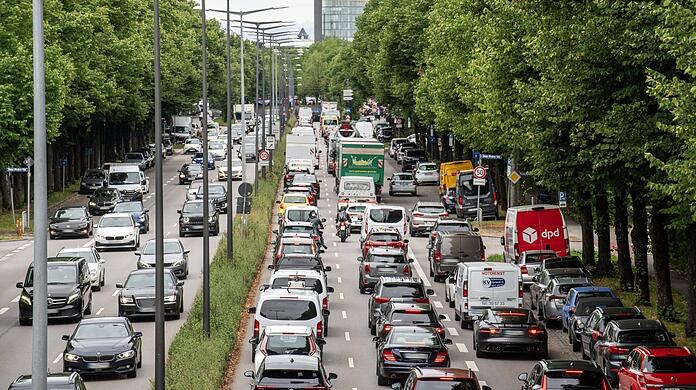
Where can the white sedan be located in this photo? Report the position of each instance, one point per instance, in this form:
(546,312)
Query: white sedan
(117,230)
(193,145)
(284,340)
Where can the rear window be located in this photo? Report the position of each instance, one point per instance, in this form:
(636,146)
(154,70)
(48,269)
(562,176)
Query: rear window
(397,291)
(300,248)
(299,261)
(403,176)
(287,345)
(453,227)
(460,244)
(536,258)
(564,288)
(387,259)
(431,209)
(603,294)
(314,284)
(292,378)
(384,237)
(415,153)
(586,308)
(412,318)
(562,380)
(671,364)
(643,336)
(467,187)
(298,229)
(294,199)
(449,384)
(417,339)
(355,209)
(288,310)
(511,317)
(564,263)
(386,215)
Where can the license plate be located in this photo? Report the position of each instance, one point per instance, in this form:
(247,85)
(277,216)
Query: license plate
(98,366)
(68,230)
(386,270)
(515,332)
(416,356)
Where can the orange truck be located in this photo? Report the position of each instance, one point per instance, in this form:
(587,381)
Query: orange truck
(448,173)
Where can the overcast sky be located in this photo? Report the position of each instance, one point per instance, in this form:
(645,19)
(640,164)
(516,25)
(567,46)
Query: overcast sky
(299,11)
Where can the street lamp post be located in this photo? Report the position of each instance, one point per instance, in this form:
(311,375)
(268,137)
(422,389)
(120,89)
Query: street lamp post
(230,193)
(206,203)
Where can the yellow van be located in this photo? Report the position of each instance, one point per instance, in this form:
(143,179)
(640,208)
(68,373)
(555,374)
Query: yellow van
(448,173)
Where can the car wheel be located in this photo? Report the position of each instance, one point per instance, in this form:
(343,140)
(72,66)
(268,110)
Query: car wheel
(584,355)
(457,317)
(24,321)
(103,279)
(574,342)
(451,303)
(140,359)
(97,287)
(430,269)
(382,380)
(373,329)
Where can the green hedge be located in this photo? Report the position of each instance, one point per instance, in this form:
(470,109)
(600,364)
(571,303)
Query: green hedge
(197,362)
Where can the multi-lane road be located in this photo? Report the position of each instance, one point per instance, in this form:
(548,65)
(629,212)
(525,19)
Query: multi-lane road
(349,351)
(15,340)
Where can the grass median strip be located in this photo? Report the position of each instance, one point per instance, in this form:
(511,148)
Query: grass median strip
(197,362)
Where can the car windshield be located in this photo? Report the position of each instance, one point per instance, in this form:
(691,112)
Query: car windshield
(303,249)
(101,331)
(386,215)
(87,255)
(95,174)
(216,145)
(536,258)
(134,156)
(671,364)
(312,283)
(586,307)
(194,168)
(510,317)
(355,209)
(396,291)
(291,377)
(57,274)
(288,310)
(415,153)
(235,163)
(119,178)
(564,288)
(415,339)
(294,199)
(466,183)
(287,345)
(213,190)
(170,247)
(107,221)
(193,141)
(410,317)
(596,294)
(298,229)
(300,178)
(298,215)
(571,379)
(403,177)
(572,262)
(431,209)
(128,207)
(427,167)
(638,336)
(448,384)
(384,237)
(387,259)
(71,213)
(147,280)
(197,208)
(298,261)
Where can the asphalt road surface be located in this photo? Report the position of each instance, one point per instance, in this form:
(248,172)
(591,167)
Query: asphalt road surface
(349,351)
(15,340)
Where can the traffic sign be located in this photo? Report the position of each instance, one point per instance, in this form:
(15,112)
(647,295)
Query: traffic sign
(479,172)
(28,161)
(562,199)
(270,142)
(245,189)
(64,162)
(514,177)
(243,205)
(263,157)
(475,155)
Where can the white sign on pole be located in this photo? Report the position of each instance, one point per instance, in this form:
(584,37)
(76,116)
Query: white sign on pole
(270,142)
(263,158)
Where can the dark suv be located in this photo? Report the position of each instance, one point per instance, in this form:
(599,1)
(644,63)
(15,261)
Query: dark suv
(597,322)
(411,158)
(69,290)
(621,336)
(191,218)
(394,289)
(468,196)
(217,195)
(562,374)
(450,249)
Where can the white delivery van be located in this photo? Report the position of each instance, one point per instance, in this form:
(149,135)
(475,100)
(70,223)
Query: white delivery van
(356,189)
(382,218)
(302,146)
(483,285)
(129,180)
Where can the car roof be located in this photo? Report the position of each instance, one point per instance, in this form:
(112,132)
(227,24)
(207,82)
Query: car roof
(69,260)
(632,324)
(467,233)
(76,249)
(102,320)
(412,329)
(116,215)
(453,373)
(310,273)
(292,293)
(592,289)
(165,240)
(386,251)
(535,207)
(553,365)
(419,203)
(564,271)
(291,362)
(611,311)
(665,351)
(287,329)
(406,306)
(572,280)
(148,271)
(297,223)
(295,239)
(452,221)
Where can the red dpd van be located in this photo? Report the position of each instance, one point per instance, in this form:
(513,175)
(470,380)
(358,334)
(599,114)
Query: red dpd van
(535,227)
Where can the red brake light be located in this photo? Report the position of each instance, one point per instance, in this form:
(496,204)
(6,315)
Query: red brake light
(388,355)
(617,350)
(574,372)
(366,268)
(438,256)
(256,328)
(441,357)
(465,289)
(387,328)
(407,270)
(381,300)
(320,329)
(417,214)
(524,270)
(535,331)
(440,330)
(443,215)
(490,330)
(459,200)
(325,303)
(495,198)
(422,300)
(413,311)
(521,290)
(483,255)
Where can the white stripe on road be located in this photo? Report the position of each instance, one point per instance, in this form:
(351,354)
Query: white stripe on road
(4,310)
(419,270)
(15,251)
(347,336)
(336,254)
(88,243)
(334,243)
(350,362)
(453,331)
(15,300)
(446,319)
(472,365)
(175,224)
(344,314)
(57,359)
(338,266)
(462,348)
(438,304)
(340,295)
(339,280)
(100,311)
(9,254)
(115,293)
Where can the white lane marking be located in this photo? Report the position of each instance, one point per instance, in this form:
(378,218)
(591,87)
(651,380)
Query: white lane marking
(15,251)
(338,266)
(350,363)
(344,314)
(175,224)
(472,365)
(446,319)
(100,311)
(329,211)
(438,304)
(88,243)
(333,234)
(453,331)
(354,388)
(334,243)
(168,233)
(336,254)
(340,295)
(347,336)
(339,279)
(4,310)
(420,272)
(115,293)
(15,300)
(9,254)
(462,348)
(57,359)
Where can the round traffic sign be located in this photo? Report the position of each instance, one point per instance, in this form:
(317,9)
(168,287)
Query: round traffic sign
(479,172)
(245,189)
(263,155)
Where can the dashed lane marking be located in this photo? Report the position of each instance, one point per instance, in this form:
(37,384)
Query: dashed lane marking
(350,363)
(9,254)
(88,243)
(334,243)
(168,233)
(347,336)
(175,224)
(338,266)
(57,359)
(15,300)
(453,331)
(339,279)
(100,311)
(446,319)
(472,365)
(419,270)
(15,251)
(438,304)
(462,348)
(115,293)
(344,314)
(336,254)
(4,310)
(340,295)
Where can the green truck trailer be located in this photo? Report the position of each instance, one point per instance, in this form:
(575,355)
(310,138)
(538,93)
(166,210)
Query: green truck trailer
(360,157)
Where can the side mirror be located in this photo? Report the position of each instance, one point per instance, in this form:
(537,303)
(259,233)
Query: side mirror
(136,253)
(405,240)
(330,289)
(327,268)
(389,179)
(119,285)
(146,210)
(65,337)
(523,377)
(251,310)
(332,376)
(624,363)
(326,312)
(447,341)
(137,334)
(249,374)
(275,231)
(410,260)
(253,340)
(474,318)
(580,326)
(179,283)
(486,387)
(451,279)
(186,252)
(178,211)
(430,291)
(321,181)
(19,285)
(442,317)
(502,242)
(323,219)
(102,261)
(277,202)
(321,342)
(360,259)
(376,339)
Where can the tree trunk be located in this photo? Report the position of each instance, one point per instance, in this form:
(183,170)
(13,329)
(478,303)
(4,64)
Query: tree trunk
(604,266)
(586,225)
(458,150)
(639,237)
(623,250)
(660,251)
(691,278)
(5,191)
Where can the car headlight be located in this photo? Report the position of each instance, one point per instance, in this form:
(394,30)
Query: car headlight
(53,226)
(186,219)
(73,297)
(26,299)
(125,355)
(178,263)
(92,203)
(68,357)
(143,264)
(170,298)
(181,175)
(124,299)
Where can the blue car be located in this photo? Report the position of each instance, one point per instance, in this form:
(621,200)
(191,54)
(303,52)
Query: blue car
(139,212)
(581,292)
(198,159)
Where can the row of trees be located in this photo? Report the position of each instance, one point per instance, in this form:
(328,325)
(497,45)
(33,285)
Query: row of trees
(595,98)
(99,78)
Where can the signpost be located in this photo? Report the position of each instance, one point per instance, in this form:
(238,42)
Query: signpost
(270,142)
(479,180)
(514,177)
(562,199)
(263,158)
(63,164)
(244,203)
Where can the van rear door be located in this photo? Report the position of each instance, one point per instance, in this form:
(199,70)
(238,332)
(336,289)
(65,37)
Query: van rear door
(541,229)
(490,287)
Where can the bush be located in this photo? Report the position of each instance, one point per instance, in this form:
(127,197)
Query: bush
(197,362)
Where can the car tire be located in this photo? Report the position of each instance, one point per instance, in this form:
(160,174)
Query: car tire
(382,380)
(457,317)
(584,355)
(451,303)
(181,233)
(373,329)
(24,321)
(576,344)
(88,311)
(430,269)
(140,359)
(97,287)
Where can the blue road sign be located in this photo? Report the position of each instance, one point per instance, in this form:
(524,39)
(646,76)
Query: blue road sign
(17,170)
(64,162)
(475,154)
(562,198)
(485,156)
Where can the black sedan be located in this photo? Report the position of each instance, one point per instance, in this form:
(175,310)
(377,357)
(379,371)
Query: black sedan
(190,172)
(510,330)
(191,219)
(103,201)
(137,296)
(70,221)
(217,195)
(103,345)
(408,347)
(408,314)
(92,180)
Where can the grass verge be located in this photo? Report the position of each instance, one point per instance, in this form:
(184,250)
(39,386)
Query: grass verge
(198,362)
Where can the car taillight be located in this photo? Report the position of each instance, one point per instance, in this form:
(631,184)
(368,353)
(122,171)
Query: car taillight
(567,245)
(407,270)
(617,350)
(441,357)
(520,293)
(571,310)
(437,256)
(535,331)
(366,268)
(388,355)
(320,329)
(443,214)
(524,270)
(417,214)
(440,330)
(325,303)
(422,300)
(256,328)
(460,200)
(495,198)
(595,335)
(483,255)
(465,289)
(312,346)
(490,330)
(380,300)
(387,328)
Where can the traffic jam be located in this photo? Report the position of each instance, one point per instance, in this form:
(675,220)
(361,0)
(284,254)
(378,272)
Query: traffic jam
(379,276)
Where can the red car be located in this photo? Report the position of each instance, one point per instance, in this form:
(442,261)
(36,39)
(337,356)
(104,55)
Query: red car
(658,367)
(388,239)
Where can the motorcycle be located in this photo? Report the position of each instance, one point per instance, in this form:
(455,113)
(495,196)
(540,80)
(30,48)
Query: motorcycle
(343,230)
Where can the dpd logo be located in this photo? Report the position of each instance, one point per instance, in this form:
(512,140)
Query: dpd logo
(529,235)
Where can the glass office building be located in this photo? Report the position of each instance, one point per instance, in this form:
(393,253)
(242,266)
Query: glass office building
(338,17)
